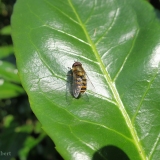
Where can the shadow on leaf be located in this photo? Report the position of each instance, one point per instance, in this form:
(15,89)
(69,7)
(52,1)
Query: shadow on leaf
(110,153)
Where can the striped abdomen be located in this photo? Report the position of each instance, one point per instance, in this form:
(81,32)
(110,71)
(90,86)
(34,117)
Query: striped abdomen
(83,85)
(79,79)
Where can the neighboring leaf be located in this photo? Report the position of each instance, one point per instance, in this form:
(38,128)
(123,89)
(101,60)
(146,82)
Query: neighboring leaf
(6,30)
(8,72)
(9,90)
(21,134)
(11,134)
(5,51)
(8,76)
(9,81)
(118,43)
(29,143)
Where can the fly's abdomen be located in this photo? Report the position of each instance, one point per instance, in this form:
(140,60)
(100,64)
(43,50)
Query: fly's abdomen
(79,79)
(84,85)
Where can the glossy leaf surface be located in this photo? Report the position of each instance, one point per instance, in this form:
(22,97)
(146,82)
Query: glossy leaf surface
(118,43)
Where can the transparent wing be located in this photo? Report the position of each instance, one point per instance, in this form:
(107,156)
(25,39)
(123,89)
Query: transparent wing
(90,89)
(74,85)
(77,85)
(69,86)
(90,86)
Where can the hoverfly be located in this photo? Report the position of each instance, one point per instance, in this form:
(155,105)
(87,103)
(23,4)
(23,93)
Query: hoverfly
(79,81)
(76,83)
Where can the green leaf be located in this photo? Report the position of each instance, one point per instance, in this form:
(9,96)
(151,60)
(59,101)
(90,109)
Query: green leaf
(9,81)
(10,134)
(9,90)
(118,43)
(29,143)
(8,72)
(6,30)
(6,51)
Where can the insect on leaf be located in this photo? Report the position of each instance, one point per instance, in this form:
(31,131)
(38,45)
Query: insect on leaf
(117,43)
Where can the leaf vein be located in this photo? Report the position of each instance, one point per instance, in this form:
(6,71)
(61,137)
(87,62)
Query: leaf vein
(112,86)
(70,35)
(154,146)
(61,12)
(43,61)
(126,58)
(104,54)
(81,120)
(143,97)
(111,25)
(86,21)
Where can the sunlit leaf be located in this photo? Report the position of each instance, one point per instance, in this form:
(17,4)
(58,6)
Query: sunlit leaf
(118,43)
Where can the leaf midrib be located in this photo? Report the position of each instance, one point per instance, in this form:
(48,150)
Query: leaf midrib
(112,87)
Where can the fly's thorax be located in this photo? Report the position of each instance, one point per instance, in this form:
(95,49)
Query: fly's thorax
(79,73)
(78,68)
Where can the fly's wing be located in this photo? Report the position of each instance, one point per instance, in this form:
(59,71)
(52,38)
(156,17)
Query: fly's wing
(69,86)
(90,87)
(77,85)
